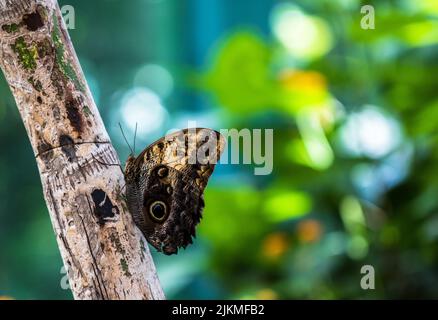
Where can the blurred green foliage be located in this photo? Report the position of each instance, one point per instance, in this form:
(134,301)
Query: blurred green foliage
(354,114)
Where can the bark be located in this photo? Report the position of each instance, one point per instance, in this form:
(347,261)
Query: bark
(105,254)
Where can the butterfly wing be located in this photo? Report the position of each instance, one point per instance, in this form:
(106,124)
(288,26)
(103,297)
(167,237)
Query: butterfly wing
(165,186)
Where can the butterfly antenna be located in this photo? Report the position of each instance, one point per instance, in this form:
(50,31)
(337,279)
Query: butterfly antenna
(126,140)
(135,135)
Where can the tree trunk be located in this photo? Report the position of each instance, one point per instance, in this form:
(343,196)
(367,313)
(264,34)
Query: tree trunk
(105,254)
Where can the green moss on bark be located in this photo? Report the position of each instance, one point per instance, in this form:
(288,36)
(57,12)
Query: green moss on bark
(64,65)
(10,28)
(125,267)
(27,54)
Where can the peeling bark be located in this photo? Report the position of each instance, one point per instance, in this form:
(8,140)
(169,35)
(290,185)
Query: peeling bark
(104,253)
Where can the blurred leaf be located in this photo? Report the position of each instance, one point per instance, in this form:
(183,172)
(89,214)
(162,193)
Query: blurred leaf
(282,205)
(240,77)
(222,226)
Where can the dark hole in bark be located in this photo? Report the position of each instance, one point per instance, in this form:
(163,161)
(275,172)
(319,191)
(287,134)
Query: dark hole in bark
(103,207)
(45,151)
(33,21)
(67,147)
(39,100)
(74,115)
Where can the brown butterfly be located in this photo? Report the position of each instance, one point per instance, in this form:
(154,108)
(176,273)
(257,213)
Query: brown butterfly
(165,186)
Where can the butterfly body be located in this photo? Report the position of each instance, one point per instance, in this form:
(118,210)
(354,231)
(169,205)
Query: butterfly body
(165,186)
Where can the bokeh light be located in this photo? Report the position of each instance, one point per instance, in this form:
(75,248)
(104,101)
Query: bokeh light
(156,78)
(370,133)
(304,36)
(143,108)
(309,230)
(274,245)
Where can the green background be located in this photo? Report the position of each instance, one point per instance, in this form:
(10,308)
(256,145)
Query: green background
(354,114)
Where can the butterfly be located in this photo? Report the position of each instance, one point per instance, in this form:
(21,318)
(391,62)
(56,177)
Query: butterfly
(165,186)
